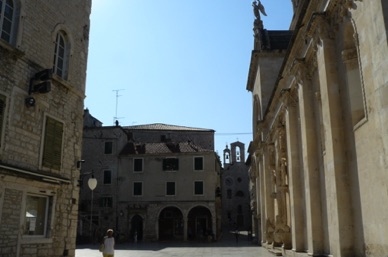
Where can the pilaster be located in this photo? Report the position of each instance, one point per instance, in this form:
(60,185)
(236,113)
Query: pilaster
(295,178)
(310,158)
(336,180)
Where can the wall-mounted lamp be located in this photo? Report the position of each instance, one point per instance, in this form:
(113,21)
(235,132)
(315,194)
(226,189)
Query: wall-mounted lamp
(30,101)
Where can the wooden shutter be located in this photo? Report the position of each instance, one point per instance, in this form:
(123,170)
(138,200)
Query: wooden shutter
(2,114)
(52,151)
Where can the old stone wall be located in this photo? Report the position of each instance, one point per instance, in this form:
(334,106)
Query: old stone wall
(31,50)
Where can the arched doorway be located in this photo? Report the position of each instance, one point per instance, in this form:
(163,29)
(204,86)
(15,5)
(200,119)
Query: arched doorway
(136,233)
(171,224)
(199,225)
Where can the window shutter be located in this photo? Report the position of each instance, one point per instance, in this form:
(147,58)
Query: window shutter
(52,152)
(2,113)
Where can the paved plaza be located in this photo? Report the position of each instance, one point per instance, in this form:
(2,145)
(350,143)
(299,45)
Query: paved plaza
(226,247)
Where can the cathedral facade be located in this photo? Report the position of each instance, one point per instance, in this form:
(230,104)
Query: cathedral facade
(318,158)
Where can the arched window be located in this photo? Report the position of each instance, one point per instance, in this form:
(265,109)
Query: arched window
(238,155)
(239,194)
(227,158)
(61,55)
(7,15)
(353,75)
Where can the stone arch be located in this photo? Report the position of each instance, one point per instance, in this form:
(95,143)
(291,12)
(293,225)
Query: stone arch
(200,223)
(170,223)
(351,61)
(137,227)
(61,27)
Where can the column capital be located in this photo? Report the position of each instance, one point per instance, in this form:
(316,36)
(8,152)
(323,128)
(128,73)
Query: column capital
(318,28)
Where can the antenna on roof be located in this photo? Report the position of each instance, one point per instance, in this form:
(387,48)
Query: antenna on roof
(115,118)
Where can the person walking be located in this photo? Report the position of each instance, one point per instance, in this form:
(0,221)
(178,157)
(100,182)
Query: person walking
(109,244)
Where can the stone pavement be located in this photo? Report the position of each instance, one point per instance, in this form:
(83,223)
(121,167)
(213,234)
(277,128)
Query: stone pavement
(225,247)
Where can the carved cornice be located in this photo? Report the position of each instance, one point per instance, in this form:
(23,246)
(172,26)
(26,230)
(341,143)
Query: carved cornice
(319,27)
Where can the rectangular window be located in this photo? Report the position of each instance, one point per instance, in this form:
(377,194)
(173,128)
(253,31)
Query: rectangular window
(170,164)
(6,20)
(36,219)
(108,147)
(2,114)
(198,187)
(107,177)
(170,188)
(106,201)
(198,163)
(138,165)
(137,188)
(229,194)
(52,148)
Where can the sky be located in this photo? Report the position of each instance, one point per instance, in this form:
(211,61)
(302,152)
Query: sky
(176,62)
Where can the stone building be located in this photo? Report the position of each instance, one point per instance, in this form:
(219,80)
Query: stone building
(318,159)
(236,211)
(155,182)
(43,57)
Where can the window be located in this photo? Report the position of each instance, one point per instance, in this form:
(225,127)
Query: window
(137,188)
(238,156)
(170,164)
(107,177)
(106,201)
(37,213)
(52,148)
(240,193)
(198,187)
(108,148)
(229,194)
(170,188)
(198,163)
(61,56)
(7,13)
(2,112)
(138,165)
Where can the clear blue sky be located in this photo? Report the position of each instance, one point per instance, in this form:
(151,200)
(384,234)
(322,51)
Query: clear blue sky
(176,62)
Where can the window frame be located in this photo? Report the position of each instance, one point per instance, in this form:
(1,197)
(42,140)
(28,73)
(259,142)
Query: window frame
(167,188)
(106,202)
(134,165)
(3,114)
(202,163)
(111,147)
(11,20)
(110,177)
(165,166)
(48,215)
(133,188)
(195,187)
(48,141)
(61,70)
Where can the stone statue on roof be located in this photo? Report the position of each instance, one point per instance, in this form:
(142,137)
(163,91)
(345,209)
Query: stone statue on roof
(258,8)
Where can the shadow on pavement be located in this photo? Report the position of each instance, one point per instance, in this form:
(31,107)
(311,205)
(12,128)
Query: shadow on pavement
(227,239)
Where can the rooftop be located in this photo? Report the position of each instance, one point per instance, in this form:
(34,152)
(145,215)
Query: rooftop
(161,126)
(161,148)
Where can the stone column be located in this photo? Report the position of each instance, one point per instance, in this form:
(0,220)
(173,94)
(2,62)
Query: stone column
(185,225)
(295,177)
(340,218)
